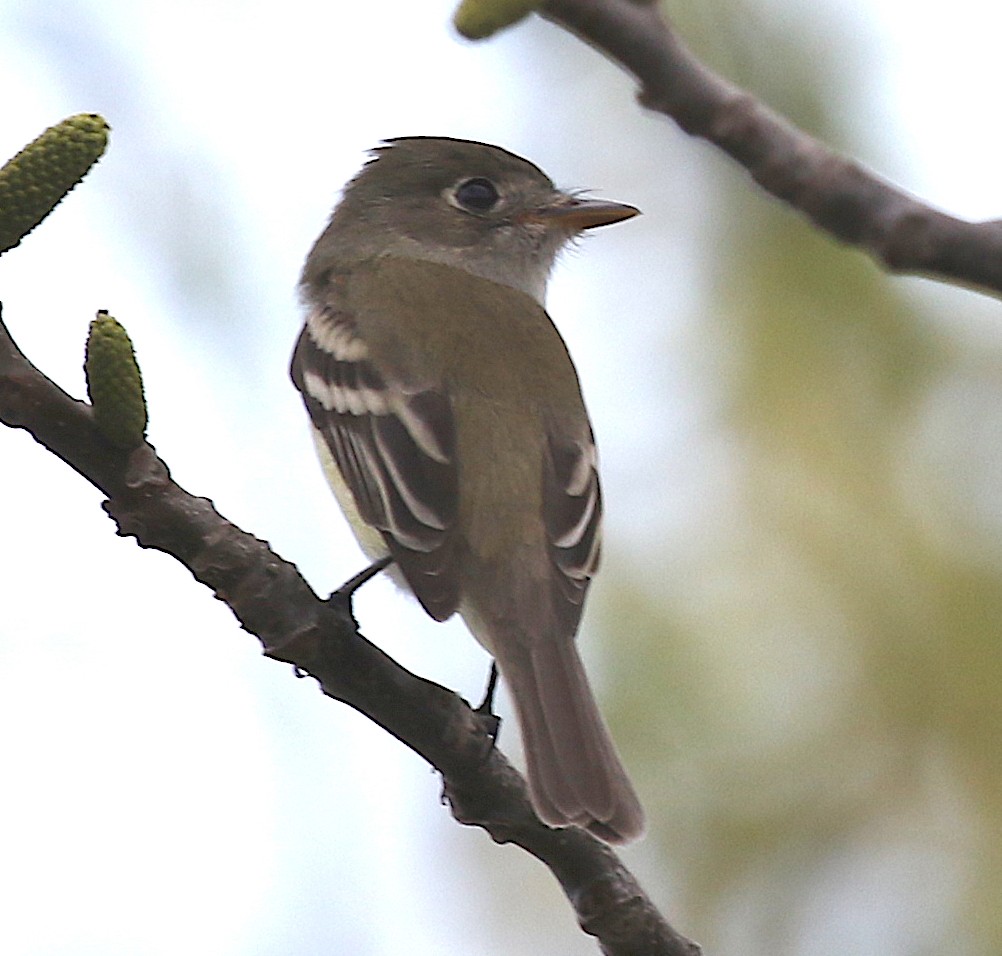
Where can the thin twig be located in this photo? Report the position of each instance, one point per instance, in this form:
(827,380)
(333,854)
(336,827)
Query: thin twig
(836,193)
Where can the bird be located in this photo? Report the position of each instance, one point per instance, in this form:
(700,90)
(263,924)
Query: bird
(449,420)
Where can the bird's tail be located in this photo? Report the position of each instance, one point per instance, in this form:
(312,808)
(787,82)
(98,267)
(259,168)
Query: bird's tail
(575,774)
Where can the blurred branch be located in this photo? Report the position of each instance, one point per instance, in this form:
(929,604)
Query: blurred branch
(320,638)
(834,192)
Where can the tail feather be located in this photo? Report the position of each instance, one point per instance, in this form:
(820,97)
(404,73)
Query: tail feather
(575,774)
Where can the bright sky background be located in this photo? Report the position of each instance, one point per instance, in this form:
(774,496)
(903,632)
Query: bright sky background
(167,790)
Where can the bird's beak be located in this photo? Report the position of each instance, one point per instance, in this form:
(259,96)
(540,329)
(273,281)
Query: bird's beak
(573,214)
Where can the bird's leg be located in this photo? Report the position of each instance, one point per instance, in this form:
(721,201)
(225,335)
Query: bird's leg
(492,723)
(340,600)
(350,586)
(343,596)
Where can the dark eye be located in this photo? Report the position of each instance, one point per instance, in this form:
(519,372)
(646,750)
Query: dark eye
(477,194)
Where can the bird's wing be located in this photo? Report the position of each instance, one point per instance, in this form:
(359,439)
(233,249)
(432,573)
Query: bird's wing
(394,443)
(572,509)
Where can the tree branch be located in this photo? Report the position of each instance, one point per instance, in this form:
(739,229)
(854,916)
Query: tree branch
(272,601)
(837,194)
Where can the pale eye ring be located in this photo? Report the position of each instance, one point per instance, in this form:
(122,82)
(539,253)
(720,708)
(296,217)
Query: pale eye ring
(476,194)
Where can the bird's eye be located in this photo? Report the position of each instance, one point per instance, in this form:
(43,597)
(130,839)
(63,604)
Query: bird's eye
(477,194)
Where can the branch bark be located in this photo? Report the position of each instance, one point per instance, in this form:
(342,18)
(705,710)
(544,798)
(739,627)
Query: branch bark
(836,193)
(272,601)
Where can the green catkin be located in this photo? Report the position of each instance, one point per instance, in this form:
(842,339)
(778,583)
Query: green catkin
(114,383)
(479,19)
(38,177)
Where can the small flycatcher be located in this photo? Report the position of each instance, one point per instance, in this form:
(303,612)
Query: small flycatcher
(449,419)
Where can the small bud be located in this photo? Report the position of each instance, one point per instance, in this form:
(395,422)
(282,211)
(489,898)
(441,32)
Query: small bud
(114,383)
(38,177)
(478,19)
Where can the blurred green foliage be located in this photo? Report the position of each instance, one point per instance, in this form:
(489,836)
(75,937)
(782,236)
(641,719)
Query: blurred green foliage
(823,737)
